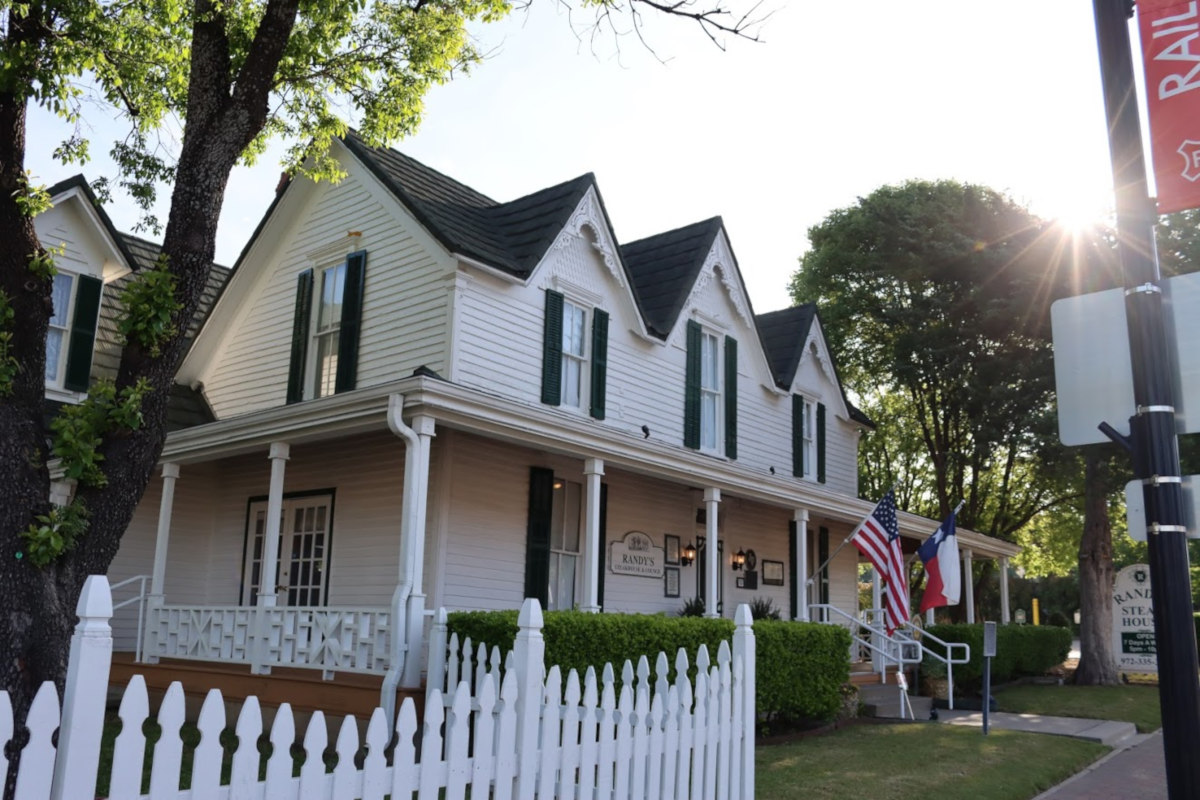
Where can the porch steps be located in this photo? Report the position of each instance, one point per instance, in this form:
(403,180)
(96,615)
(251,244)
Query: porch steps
(347,693)
(883,700)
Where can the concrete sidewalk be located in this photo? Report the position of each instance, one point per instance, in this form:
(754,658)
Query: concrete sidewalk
(1135,769)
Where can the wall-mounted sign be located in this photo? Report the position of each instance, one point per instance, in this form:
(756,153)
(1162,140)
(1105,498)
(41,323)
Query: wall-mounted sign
(635,554)
(1133,621)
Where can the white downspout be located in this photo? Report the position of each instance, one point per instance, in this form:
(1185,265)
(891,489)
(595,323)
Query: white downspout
(399,638)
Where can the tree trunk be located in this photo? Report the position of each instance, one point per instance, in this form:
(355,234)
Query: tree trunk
(1096,664)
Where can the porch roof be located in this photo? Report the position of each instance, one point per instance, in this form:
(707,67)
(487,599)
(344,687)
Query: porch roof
(496,417)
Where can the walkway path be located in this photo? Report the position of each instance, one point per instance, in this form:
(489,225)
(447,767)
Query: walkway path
(1135,769)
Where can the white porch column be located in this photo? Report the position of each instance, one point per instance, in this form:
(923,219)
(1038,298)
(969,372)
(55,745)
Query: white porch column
(712,501)
(968,587)
(157,596)
(800,585)
(593,470)
(1005,617)
(270,560)
(170,473)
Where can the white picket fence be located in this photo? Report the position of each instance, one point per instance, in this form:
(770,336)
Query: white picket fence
(502,732)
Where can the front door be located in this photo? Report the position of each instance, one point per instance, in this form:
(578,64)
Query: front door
(304,533)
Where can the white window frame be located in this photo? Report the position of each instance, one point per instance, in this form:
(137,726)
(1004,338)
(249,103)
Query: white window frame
(560,553)
(579,359)
(318,383)
(808,437)
(712,392)
(54,381)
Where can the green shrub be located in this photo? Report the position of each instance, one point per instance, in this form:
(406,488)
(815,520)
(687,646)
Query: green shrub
(801,665)
(1020,650)
(801,669)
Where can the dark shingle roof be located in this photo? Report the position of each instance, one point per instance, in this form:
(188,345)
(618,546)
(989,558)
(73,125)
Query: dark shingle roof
(510,236)
(783,334)
(663,269)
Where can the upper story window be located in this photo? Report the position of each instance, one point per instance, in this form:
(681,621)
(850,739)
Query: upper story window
(71,335)
(574,364)
(808,438)
(710,392)
(325,329)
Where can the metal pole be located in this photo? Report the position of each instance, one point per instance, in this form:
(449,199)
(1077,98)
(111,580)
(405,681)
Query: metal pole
(1152,429)
(987,691)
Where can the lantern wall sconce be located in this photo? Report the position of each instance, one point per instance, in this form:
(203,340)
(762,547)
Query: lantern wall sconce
(688,555)
(738,561)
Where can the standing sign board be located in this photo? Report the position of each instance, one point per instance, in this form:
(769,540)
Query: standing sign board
(1133,621)
(1171,59)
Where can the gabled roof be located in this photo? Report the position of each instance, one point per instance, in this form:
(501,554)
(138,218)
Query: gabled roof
(80,182)
(663,269)
(784,334)
(510,236)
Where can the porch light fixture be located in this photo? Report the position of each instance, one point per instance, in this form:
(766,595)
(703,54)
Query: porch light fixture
(739,560)
(687,555)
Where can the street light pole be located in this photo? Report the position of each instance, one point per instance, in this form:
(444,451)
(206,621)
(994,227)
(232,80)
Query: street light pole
(1152,428)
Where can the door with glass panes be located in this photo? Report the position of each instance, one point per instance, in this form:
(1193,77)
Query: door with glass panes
(304,533)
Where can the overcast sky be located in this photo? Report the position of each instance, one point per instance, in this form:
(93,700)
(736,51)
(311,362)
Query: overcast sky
(838,99)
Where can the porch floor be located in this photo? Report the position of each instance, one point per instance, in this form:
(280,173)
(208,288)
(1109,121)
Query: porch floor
(347,693)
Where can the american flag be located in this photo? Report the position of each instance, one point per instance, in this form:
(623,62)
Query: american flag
(878,538)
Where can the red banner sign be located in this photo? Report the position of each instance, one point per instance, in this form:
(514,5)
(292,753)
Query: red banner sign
(1170,32)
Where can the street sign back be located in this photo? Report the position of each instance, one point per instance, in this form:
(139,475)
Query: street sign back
(1092,368)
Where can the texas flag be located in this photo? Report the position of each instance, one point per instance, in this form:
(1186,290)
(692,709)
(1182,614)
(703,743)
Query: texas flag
(939,554)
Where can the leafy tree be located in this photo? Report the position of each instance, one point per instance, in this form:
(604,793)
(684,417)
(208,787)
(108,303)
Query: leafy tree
(936,295)
(228,76)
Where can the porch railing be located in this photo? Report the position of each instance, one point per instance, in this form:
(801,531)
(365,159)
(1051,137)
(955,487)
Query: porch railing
(330,638)
(140,599)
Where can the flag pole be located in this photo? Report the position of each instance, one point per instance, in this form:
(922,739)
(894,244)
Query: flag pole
(808,581)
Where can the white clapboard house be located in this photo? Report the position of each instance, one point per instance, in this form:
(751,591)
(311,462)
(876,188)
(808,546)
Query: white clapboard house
(409,396)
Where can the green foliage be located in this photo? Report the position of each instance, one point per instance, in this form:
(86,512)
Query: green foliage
(79,429)
(801,665)
(54,533)
(150,308)
(801,669)
(692,607)
(8,361)
(31,200)
(764,608)
(935,297)
(1020,650)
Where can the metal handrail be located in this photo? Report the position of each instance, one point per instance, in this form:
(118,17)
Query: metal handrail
(896,654)
(140,599)
(949,660)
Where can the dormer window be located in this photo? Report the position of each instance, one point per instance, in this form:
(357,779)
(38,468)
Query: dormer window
(325,329)
(710,392)
(71,334)
(808,439)
(574,364)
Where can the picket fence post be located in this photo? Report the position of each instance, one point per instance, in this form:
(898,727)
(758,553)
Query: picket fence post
(529,652)
(86,693)
(744,651)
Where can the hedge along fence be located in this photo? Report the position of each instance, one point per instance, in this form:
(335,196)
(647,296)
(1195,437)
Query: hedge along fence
(801,665)
(1020,650)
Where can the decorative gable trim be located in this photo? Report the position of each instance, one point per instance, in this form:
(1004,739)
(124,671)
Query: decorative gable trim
(590,214)
(720,263)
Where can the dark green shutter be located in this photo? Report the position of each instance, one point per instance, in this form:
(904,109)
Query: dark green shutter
(83,334)
(794,584)
(552,335)
(820,442)
(300,324)
(537,538)
(797,436)
(599,361)
(691,388)
(350,328)
(731,382)
(603,565)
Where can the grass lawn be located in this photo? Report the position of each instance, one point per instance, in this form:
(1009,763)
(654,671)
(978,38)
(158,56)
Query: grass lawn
(1136,704)
(906,760)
